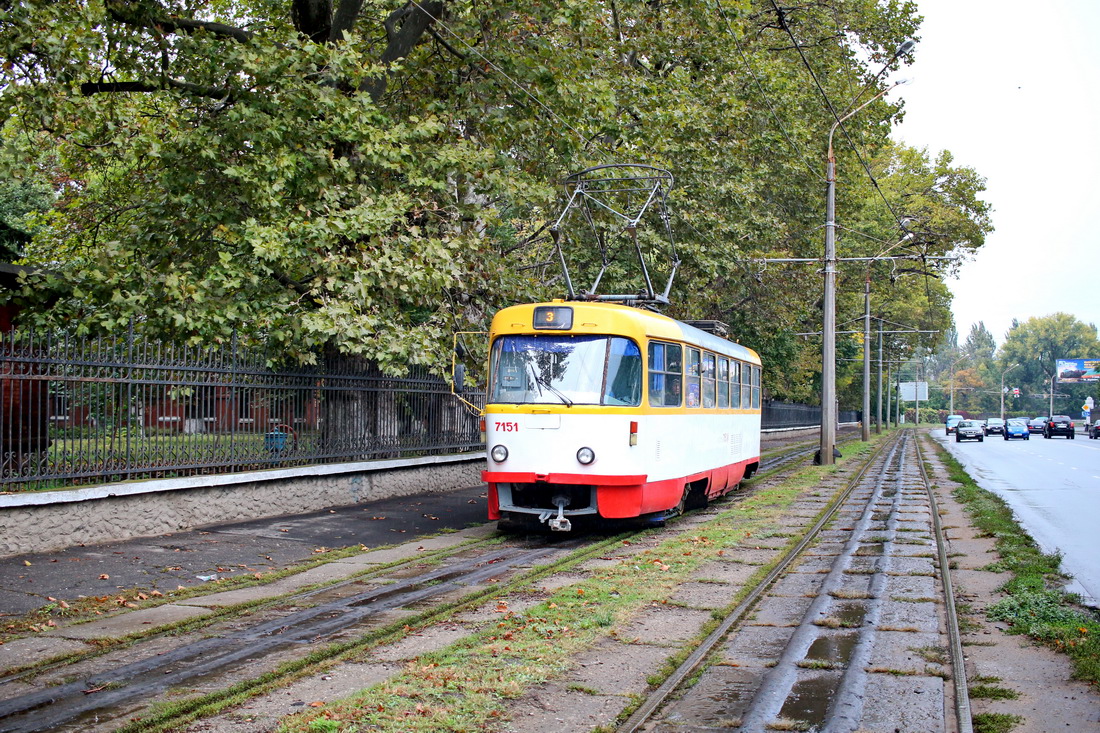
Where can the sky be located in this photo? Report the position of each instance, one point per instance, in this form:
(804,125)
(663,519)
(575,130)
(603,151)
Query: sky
(1012,89)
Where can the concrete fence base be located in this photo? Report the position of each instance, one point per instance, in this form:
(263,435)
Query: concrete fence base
(52,520)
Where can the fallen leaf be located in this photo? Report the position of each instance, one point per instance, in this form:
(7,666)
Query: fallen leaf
(104,576)
(27,562)
(316,704)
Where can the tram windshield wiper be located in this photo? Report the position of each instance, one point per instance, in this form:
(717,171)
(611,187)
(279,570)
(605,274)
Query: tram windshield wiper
(541,382)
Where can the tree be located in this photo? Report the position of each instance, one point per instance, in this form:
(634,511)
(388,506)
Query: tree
(365,177)
(1036,344)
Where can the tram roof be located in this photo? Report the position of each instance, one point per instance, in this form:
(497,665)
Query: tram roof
(614,318)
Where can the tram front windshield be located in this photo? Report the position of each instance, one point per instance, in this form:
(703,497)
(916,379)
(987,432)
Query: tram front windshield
(556,369)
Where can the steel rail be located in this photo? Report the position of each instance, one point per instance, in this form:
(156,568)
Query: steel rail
(958,661)
(657,698)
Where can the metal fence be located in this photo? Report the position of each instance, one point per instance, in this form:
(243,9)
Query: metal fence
(775,415)
(76,411)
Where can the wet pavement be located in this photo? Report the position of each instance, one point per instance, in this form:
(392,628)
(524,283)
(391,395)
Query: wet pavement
(1053,486)
(199,556)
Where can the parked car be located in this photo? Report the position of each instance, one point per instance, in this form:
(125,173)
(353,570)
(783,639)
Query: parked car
(1058,425)
(1094,430)
(952,422)
(1036,424)
(969,430)
(995,425)
(1017,428)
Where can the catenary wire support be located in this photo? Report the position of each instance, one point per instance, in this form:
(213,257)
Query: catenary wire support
(614,200)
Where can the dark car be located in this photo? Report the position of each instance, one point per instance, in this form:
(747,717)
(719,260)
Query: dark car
(1017,428)
(969,430)
(1094,430)
(994,425)
(951,423)
(1058,425)
(1036,424)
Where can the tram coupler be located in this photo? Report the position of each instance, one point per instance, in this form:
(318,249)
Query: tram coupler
(559,523)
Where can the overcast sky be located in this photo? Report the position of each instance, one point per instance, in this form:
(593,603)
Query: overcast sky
(1012,89)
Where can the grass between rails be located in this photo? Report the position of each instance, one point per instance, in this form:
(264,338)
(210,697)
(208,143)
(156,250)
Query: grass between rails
(1035,604)
(466,686)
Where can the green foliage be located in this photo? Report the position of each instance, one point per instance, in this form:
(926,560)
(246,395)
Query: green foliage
(368,196)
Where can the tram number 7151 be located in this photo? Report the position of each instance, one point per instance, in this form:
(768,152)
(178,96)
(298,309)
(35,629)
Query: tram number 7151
(506,427)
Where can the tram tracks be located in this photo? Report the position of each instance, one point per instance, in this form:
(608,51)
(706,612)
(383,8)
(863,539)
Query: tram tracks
(837,626)
(311,629)
(70,697)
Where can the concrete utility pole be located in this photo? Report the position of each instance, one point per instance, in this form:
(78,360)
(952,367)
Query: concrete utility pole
(878,414)
(866,432)
(828,345)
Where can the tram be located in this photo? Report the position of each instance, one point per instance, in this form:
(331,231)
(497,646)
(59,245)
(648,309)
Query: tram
(597,409)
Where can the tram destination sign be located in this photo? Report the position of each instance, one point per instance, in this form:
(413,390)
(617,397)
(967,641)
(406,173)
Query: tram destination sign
(1071,371)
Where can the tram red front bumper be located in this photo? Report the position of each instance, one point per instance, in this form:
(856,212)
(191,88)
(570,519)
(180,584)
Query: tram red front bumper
(617,496)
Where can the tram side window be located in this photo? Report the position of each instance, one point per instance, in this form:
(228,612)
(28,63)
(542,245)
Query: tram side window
(756,388)
(723,383)
(665,374)
(692,378)
(735,384)
(746,386)
(709,397)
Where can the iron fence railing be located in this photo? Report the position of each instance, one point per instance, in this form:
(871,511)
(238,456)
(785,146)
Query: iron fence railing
(777,415)
(86,411)
(76,411)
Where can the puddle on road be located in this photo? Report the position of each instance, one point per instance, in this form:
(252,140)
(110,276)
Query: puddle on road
(833,648)
(847,615)
(809,701)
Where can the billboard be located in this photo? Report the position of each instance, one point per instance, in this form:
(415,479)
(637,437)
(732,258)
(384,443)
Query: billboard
(910,391)
(1071,371)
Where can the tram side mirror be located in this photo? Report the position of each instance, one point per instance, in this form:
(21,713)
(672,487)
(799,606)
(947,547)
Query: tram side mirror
(459,381)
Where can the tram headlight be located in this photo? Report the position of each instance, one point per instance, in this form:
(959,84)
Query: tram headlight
(586,456)
(499,453)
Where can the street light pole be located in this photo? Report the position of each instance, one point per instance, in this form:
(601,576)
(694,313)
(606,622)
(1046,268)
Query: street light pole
(866,432)
(1006,371)
(828,343)
(878,415)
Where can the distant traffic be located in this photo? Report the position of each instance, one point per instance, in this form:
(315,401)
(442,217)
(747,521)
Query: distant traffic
(1016,428)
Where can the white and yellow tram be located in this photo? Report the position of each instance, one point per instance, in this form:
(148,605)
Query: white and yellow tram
(598,409)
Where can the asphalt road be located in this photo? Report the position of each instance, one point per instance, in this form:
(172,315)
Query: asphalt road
(1053,486)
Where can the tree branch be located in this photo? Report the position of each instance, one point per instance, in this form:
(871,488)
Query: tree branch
(124,12)
(404,29)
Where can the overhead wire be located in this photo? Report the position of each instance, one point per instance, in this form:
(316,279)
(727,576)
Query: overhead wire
(516,84)
(752,72)
(828,103)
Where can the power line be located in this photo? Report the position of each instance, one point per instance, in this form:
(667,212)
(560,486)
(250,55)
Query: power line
(867,168)
(514,83)
(764,94)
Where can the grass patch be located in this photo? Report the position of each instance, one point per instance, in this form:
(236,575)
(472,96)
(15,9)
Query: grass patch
(995,722)
(993,692)
(1035,605)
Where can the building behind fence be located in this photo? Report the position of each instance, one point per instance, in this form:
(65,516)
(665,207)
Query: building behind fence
(83,411)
